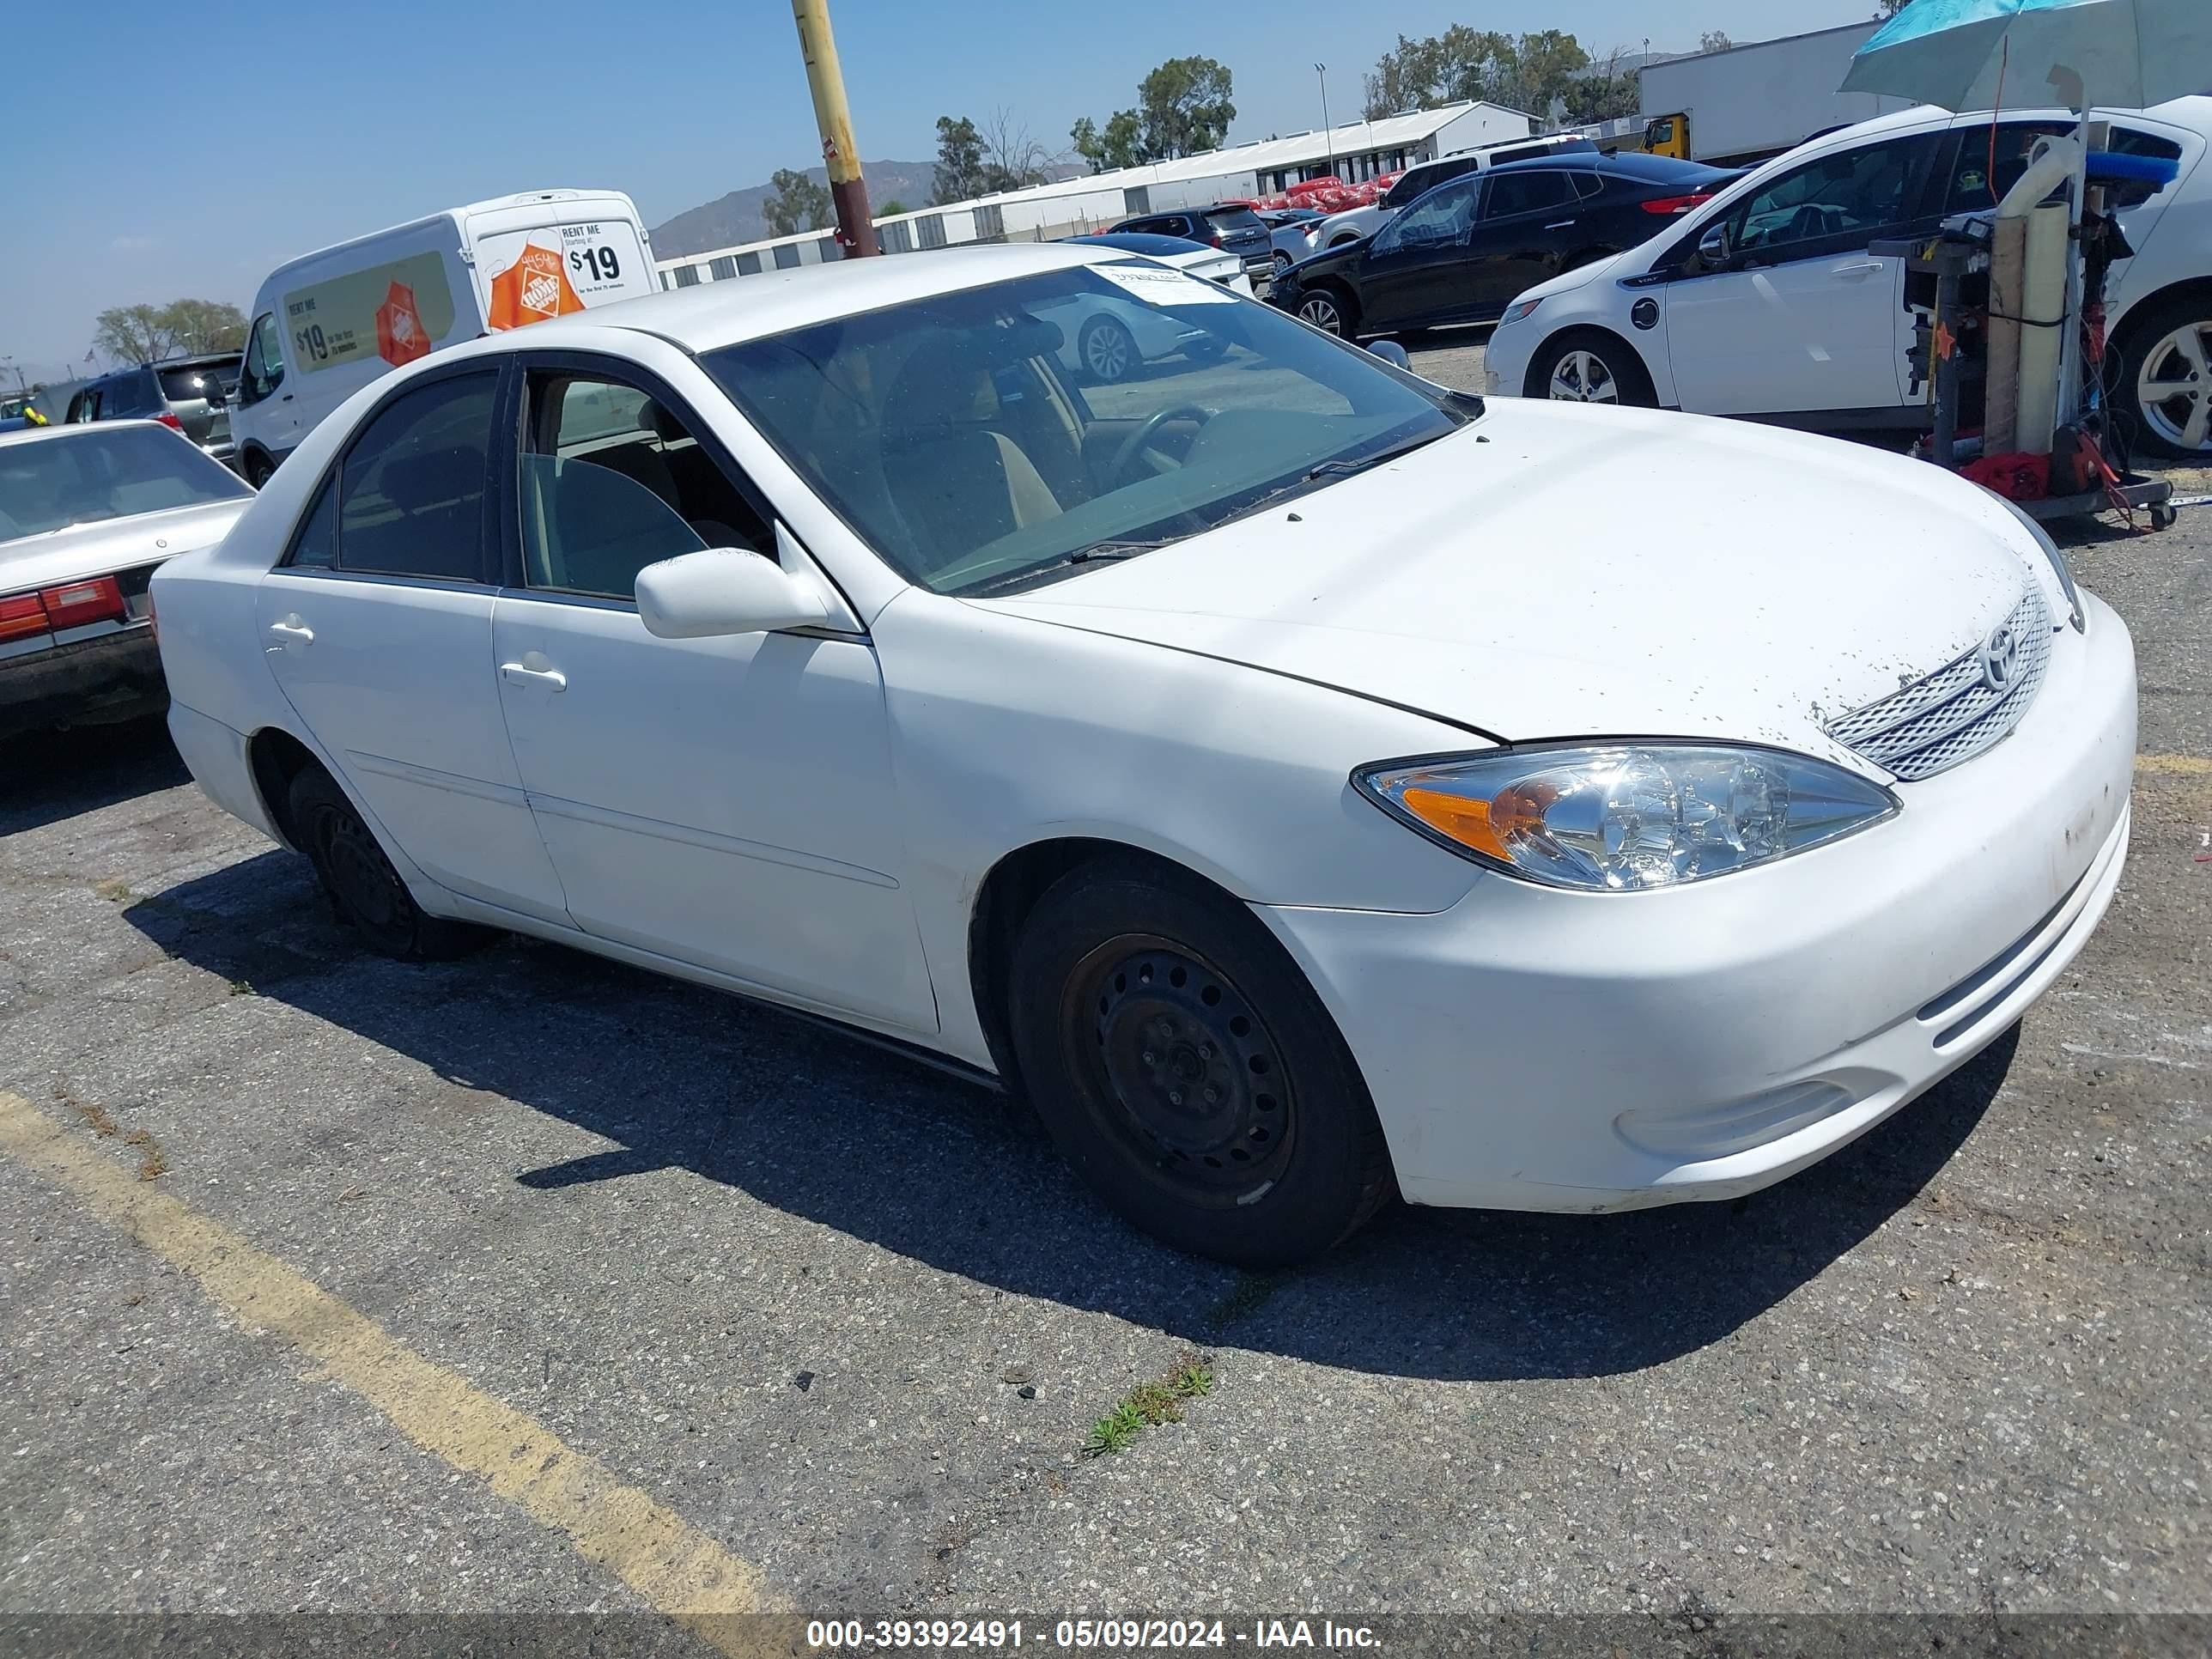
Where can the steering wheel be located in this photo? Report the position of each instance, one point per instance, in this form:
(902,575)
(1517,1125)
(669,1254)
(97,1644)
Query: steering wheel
(1135,443)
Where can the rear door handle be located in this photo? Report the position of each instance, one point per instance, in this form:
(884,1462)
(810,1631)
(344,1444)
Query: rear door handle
(291,632)
(551,678)
(1561,225)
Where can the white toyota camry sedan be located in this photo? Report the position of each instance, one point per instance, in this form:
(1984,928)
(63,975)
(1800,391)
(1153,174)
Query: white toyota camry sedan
(1298,780)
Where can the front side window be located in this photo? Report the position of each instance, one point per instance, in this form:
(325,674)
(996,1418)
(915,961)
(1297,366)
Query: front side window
(104,473)
(263,371)
(956,435)
(614,480)
(1440,219)
(1836,202)
(411,487)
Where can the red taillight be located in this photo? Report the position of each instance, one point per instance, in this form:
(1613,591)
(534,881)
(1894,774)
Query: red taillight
(20,616)
(1677,203)
(74,603)
(168,419)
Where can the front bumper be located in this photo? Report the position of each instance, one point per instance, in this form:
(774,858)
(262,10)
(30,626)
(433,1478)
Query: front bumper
(1535,1049)
(88,678)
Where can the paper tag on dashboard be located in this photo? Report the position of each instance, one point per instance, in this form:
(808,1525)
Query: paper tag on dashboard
(1164,285)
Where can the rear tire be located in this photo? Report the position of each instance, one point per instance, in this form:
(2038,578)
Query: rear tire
(1187,1071)
(364,888)
(1108,351)
(1589,366)
(258,469)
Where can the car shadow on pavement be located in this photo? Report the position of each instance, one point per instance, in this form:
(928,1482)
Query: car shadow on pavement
(47,776)
(889,1150)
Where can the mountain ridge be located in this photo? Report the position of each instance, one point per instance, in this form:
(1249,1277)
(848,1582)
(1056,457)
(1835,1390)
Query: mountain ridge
(736,216)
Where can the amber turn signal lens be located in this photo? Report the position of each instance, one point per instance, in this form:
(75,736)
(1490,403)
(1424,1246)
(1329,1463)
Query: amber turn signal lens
(1463,818)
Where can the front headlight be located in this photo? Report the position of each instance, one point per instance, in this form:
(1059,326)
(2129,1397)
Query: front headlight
(1621,816)
(1520,311)
(2058,563)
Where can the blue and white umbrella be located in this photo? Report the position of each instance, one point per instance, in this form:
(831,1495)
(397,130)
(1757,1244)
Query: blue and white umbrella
(2128,53)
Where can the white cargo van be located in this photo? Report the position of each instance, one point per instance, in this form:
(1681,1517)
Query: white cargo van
(326,324)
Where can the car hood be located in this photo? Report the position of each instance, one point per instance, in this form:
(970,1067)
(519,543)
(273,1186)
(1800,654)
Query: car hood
(1553,571)
(94,549)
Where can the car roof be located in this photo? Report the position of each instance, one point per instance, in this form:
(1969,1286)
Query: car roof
(31,434)
(1143,241)
(714,314)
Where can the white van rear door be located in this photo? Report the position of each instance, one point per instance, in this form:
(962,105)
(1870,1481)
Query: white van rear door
(532,271)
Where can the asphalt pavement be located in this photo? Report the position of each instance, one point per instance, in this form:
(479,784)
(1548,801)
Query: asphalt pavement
(531,1283)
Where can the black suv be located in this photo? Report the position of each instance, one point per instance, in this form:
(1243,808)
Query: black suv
(1232,228)
(192,394)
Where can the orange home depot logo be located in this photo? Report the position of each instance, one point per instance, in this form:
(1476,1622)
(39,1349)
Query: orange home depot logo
(400,336)
(535,287)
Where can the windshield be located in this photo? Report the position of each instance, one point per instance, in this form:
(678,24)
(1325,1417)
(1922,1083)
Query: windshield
(1006,435)
(95,472)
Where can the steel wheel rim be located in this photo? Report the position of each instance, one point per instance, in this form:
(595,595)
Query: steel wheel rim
(1581,377)
(1106,351)
(2173,388)
(1321,311)
(362,877)
(1180,1070)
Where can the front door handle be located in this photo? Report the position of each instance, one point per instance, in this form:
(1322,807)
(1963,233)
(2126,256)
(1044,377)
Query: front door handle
(1866,267)
(291,631)
(551,678)
(1559,224)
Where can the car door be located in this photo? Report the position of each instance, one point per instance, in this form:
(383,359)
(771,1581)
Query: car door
(1529,218)
(724,802)
(1802,317)
(261,388)
(1411,272)
(377,625)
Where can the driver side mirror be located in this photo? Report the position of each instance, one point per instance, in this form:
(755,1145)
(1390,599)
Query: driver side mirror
(1713,251)
(1391,353)
(723,591)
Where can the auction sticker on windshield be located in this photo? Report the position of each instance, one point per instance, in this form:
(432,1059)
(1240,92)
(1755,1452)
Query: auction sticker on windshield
(1162,285)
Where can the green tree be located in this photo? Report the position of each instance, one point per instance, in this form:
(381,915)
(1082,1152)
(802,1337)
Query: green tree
(892,209)
(1186,105)
(799,204)
(960,152)
(146,334)
(1530,73)
(1121,145)
(1887,9)
(1716,40)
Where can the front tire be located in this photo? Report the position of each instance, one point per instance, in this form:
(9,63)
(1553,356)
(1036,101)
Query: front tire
(1330,310)
(364,888)
(2166,382)
(1187,1071)
(1588,366)
(1108,350)
(258,469)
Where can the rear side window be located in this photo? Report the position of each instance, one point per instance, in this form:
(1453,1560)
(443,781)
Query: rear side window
(411,487)
(1527,192)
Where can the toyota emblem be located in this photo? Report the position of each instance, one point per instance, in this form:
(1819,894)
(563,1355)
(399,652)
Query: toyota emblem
(2000,659)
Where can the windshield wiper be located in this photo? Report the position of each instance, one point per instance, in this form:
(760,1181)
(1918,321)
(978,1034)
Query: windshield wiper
(1344,469)
(1100,552)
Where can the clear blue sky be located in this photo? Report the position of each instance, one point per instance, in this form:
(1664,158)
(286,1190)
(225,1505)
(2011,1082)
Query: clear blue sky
(166,147)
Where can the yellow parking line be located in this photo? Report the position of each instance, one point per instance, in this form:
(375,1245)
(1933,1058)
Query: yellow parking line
(2187,766)
(678,1569)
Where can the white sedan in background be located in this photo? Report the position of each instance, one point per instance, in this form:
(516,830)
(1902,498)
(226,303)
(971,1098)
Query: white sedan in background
(86,515)
(1106,338)
(1299,782)
(1765,300)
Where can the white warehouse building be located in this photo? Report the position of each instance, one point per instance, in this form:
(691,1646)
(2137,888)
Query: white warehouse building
(1074,207)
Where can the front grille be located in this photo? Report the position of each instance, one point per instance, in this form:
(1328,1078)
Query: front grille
(1931,724)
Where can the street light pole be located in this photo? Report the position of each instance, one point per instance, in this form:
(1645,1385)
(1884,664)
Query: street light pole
(841,156)
(1327,138)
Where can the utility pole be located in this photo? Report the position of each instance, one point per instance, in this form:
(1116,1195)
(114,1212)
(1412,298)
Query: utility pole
(841,156)
(1328,138)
